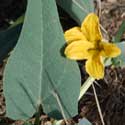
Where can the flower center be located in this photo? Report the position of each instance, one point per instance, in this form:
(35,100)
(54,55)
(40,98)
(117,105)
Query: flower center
(96,49)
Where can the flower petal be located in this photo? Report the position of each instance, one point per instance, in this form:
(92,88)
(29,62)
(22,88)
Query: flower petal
(94,67)
(74,34)
(110,50)
(78,50)
(90,28)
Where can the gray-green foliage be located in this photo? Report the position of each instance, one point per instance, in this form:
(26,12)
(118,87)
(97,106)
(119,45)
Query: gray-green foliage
(120,32)
(120,60)
(77,9)
(36,73)
(84,121)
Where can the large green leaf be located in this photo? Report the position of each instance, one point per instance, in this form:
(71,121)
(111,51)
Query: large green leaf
(78,9)
(36,73)
(8,40)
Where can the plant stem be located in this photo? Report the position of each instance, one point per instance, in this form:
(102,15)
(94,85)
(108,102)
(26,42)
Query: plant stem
(60,106)
(98,105)
(37,117)
(85,86)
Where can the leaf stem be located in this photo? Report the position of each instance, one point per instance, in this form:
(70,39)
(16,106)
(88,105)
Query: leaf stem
(85,86)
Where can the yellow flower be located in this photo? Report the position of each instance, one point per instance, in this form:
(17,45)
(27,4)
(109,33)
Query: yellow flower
(87,43)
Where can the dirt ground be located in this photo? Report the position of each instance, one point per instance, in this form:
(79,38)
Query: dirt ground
(110,90)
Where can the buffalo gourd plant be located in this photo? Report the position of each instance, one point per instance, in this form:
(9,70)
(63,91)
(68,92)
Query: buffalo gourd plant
(36,73)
